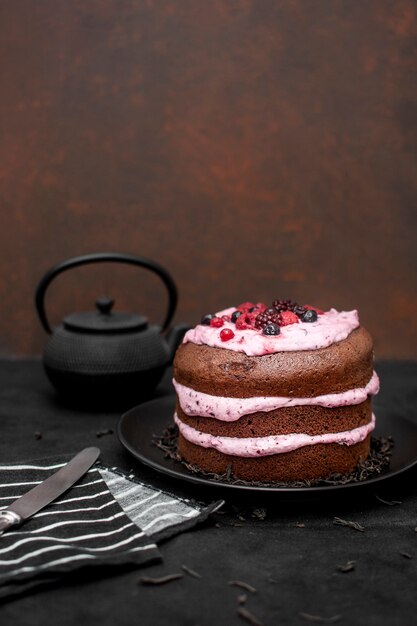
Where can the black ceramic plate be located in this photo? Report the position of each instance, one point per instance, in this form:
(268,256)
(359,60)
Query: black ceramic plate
(138,427)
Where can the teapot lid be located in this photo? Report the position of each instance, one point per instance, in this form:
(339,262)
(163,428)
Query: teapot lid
(104,320)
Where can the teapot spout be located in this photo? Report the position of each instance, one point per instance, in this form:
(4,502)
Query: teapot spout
(174,337)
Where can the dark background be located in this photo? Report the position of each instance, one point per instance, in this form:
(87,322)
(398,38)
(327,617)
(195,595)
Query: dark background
(257,149)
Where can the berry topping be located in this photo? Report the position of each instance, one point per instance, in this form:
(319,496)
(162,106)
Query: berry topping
(299,310)
(206,319)
(217,322)
(226,334)
(271,329)
(235,315)
(309,316)
(246,320)
(267,316)
(288,317)
(259,307)
(284,305)
(245,306)
(258,316)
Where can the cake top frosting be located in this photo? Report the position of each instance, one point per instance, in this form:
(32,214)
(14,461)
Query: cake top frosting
(285,326)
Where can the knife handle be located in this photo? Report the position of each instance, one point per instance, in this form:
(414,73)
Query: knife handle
(7,519)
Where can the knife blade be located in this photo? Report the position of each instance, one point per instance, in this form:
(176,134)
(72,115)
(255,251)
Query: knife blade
(47,491)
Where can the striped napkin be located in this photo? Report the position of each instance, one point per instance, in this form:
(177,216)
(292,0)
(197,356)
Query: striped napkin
(107,518)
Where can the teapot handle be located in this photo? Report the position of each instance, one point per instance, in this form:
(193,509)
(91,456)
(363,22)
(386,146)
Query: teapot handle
(105,257)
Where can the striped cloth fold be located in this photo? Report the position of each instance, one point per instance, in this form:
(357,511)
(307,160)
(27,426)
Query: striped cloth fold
(106,519)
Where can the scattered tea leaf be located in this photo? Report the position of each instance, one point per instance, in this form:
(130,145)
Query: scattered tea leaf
(349,566)
(242,585)
(148,580)
(350,524)
(407,555)
(191,572)
(259,514)
(300,524)
(101,433)
(242,598)
(388,502)
(38,435)
(239,512)
(248,616)
(318,619)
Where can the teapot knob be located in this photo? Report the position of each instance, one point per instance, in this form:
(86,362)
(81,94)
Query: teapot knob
(105,257)
(104,305)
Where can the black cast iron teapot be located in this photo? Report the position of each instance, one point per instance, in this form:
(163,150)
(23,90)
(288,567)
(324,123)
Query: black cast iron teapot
(105,358)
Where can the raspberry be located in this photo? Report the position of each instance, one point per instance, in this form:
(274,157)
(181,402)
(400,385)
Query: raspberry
(259,307)
(267,316)
(246,320)
(245,306)
(226,334)
(217,322)
(288,317)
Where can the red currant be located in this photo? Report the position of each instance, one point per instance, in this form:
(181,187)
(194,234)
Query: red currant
(226,334)
(217,322)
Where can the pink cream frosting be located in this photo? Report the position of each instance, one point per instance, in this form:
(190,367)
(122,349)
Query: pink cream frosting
(231,409)
(275,444)
(330,327)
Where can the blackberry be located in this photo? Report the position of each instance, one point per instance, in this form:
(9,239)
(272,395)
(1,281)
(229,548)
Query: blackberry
(284,305)
(235,315)
(309,316)
(206,319)
(266,317)
(299,310)
(271,329)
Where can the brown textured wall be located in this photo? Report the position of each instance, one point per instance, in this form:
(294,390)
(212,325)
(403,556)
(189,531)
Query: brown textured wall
(257,149)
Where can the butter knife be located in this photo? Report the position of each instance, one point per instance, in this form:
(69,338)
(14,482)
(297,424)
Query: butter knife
(47,491)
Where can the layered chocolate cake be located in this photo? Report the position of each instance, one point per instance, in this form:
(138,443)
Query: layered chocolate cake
(278,393)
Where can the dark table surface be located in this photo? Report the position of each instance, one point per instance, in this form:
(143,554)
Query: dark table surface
(290,551)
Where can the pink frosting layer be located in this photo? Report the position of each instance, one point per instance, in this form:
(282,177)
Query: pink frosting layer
(329,328)
(231,409)
(277,444)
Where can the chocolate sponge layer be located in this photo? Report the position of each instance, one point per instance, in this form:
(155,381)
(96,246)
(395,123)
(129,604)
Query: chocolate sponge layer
(310,420)
(344,365)
(309,462)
